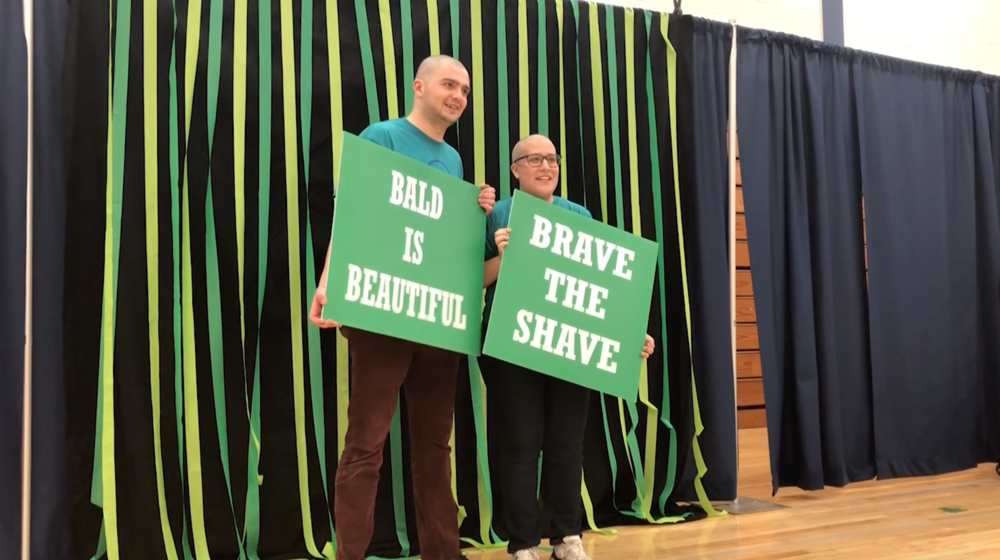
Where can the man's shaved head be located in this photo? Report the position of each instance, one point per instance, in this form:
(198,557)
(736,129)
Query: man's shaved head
(431,64)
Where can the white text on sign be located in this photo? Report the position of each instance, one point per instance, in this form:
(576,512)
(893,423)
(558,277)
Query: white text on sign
(539,332)
(583,251)
(394,294)
(405,194)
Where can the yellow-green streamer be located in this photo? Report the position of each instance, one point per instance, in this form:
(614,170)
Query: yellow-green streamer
(597,84)
(524,101)
(192,421)
(151,168)
(432,27)
(112,241)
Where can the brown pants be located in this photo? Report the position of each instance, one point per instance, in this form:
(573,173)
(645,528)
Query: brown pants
(381,365)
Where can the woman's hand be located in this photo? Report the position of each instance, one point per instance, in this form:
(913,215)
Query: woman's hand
(648,348)
(501,237)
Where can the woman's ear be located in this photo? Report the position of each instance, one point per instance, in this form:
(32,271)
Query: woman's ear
(513,170)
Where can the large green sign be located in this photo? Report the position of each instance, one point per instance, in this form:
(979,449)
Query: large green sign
(406,256)
(572,298)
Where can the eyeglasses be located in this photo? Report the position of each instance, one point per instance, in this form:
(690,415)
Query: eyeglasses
(535,160)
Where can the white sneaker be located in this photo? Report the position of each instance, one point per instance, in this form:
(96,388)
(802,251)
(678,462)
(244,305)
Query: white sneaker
(570,549)
(525,554)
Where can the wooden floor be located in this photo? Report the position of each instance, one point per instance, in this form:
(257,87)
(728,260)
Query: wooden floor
(952,516)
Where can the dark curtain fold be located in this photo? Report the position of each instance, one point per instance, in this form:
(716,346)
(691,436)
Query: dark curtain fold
(48,513)
(891,371)
(931,181)
(802,187)
(13,177)
(705,208)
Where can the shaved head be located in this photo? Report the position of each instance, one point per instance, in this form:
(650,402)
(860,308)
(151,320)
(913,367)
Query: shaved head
(431,64)
(534,144)
(537,176)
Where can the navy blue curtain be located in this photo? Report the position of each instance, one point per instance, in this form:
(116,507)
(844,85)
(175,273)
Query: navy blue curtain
(802,190)
(49,538)
(893,371)
(705,211)
(931,177)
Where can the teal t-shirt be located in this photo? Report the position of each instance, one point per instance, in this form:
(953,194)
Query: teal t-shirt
(401,136)
(497,219)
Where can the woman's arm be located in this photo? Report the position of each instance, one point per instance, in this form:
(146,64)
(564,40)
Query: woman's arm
(491,269)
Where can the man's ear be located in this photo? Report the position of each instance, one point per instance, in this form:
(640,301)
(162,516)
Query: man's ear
(513,169)
(418,87)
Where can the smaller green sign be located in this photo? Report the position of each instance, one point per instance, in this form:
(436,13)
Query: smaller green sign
(572,298)
(406,250)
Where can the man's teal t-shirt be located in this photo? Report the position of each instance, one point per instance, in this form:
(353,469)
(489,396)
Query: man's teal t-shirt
(499,218)
(399,135)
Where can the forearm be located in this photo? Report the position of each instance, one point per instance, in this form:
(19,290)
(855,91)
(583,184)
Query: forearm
(491,269)
(326,264)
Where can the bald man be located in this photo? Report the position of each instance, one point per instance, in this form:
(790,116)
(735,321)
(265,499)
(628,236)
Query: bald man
(382,364)
(539,413)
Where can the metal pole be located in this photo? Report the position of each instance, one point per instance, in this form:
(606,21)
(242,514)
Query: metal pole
(28,296)
(732,230)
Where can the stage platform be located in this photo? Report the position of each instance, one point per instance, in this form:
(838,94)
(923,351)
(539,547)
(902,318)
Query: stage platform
(947,517)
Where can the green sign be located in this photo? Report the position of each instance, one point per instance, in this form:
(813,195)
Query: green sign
(406,255)
(572,298)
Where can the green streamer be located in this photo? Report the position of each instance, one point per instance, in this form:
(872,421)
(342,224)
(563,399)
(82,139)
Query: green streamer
(406,15)
(616,151)
(562,96)
(654,161)
(503,116)
(367,63)
(398,495)
(543,73)
(175,187)
(212,260)
(315,354)
(254,480)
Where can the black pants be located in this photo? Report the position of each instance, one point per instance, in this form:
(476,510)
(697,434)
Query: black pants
(543,414)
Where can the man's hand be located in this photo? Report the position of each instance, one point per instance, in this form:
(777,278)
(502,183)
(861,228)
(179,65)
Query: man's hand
(501,237)
(316,311)
(487,198)
(648,348)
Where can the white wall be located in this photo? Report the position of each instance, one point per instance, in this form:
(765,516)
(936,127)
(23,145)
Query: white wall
(798,17)
(956,33)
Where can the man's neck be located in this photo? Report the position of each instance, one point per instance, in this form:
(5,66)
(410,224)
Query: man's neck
(432,129)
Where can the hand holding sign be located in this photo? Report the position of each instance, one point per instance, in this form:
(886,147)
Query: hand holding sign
(572,298)
(501,238)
